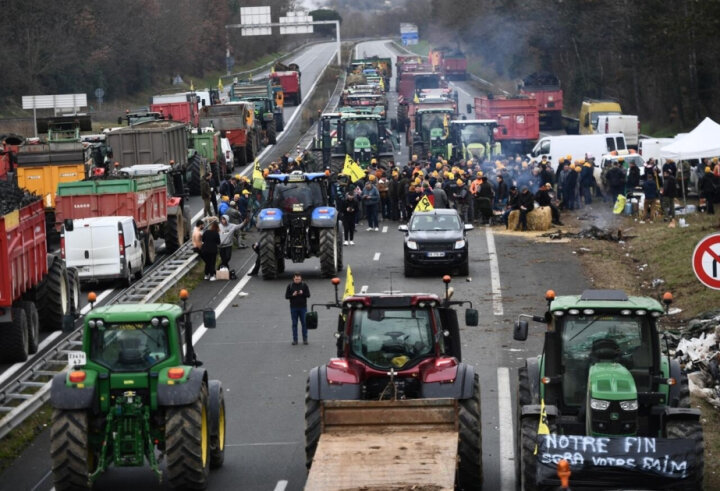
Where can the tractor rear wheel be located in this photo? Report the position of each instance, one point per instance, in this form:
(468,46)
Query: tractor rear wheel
(74,293)
(328,252)
(72,459)
(174,232)
(52,297)
(216,413)
(187,443)
(312,426)
(268,259)
(690,430)
(470,443)
(195,167)
(16,338)
(33,325)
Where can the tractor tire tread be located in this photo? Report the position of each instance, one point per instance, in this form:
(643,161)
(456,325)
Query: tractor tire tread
(15,344)
(312,426)
(470,441)
(327,252)
(195,168)
(183,445)
(69,450)
(51,305)
(690,430)
(268,259)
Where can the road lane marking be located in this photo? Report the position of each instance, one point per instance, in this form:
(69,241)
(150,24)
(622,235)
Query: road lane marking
(507,451)
(281,485)
(376,257)
(364,289)
(385,229)
(494,273)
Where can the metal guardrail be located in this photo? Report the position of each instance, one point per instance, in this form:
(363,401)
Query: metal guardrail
(29,389)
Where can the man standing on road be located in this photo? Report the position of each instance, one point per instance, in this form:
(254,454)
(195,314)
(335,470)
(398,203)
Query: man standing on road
(205,194)
(298,292)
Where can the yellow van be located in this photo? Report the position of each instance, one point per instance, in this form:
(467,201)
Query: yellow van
(591,110)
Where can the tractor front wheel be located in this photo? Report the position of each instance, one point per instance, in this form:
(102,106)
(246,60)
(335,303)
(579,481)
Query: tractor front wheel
(217,424)
(689,430)
(187,443)
(312,426)
(268,260)
(72,459)
(526,443)
(470,442)
(329,252)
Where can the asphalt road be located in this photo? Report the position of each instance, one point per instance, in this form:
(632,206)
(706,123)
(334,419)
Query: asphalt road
(264,376)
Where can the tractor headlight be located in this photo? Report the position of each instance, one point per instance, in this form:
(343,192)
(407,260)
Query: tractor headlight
(154,322)
(91,323)
(599,404)
(629,405)
(411,244)
(459,244)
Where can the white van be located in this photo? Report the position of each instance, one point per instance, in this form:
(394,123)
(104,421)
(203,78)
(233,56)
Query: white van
(627,124)
(103,248)
(228,153)
(577,146)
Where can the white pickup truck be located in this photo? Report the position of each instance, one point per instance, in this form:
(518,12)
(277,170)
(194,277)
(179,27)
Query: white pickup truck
(627,124)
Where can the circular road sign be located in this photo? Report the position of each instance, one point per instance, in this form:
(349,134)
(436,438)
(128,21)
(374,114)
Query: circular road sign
(706,261)
(99,92)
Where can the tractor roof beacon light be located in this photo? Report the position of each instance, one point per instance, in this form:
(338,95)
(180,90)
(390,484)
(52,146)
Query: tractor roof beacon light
(92,298)
(336,282)
(447,279)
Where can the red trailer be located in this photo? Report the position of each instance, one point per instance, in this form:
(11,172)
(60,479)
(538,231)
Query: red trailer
(35,288)
(518,125)
(184,112)
(290,83)
(144,197)
(545,88)
(454,66)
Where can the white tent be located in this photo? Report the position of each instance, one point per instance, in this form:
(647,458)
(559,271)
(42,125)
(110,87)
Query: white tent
(702,142)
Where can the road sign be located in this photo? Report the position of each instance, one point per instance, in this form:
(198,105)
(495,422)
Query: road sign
(706,261)
(292,20)
(258,17)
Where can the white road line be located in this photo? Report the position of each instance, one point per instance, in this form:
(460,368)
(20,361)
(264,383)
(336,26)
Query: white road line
(280,486)
(505,422)
(200,332)
(494,273)
(385,229)
(363,289)
(376,257)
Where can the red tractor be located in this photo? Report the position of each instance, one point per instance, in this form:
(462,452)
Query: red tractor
(398,364)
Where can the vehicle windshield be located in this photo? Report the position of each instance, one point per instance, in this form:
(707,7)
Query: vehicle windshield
(128,346)
(360,129)
(475,133)
(632,335)
(425,223)
(427,82)
(297,196)
(431,121)
(391,338)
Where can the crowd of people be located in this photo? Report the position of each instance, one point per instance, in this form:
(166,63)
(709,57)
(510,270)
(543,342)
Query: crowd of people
(483,191)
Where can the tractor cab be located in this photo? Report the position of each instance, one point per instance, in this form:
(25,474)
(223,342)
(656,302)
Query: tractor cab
(398,345)
(297,193)
(472,138)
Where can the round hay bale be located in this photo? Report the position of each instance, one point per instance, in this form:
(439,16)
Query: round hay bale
(540,219)
(513,219)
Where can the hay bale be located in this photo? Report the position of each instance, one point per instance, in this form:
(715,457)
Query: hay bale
(538,220)
(355,79)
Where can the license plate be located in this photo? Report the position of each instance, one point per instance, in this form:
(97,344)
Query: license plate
(436,254)
(297,207)
(85,269)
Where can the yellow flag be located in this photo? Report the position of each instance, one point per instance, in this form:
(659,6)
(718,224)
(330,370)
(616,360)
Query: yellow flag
(220,84)
(352,169)
(543,428)
(192,86)
(382,83)
(349,284)
(416,99)
(424,205)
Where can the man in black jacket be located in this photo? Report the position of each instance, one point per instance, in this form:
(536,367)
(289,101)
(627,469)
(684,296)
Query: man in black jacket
(669,190)
(544,198)
(526,203)
(298,292)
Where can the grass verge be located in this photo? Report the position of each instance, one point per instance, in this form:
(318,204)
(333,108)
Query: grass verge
(15,442)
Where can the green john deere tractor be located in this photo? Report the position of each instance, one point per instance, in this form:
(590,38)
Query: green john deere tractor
(602,397)
(132,391)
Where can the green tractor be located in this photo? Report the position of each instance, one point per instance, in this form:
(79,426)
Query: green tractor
(132,391)
(432,131)
(603,397)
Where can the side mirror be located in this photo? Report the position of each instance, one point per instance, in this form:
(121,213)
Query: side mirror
(68,323)
(520,331)
(403,228)
(68,224)
(209,318)
(469,108)
(311,319)
(471,317)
